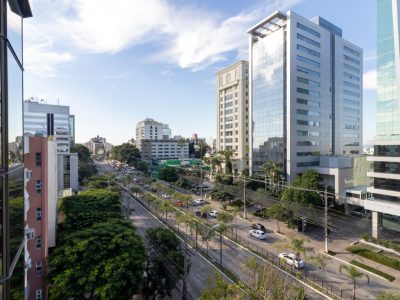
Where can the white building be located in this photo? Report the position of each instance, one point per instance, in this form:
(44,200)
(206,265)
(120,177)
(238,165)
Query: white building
(305,93)
(50,120)
(150,129)
(233,113)
(164,149)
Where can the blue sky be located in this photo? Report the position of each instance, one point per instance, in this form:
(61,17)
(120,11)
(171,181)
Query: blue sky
(117,62)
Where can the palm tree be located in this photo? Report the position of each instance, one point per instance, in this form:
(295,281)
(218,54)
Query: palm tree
(236,210)
(216,163)
(166,207)
(227,155)
(181,143)
(272,171)
(221,228)
(353,274)
(136,191)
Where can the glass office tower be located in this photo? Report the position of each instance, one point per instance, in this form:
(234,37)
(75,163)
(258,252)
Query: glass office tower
(12,13)
(386,159)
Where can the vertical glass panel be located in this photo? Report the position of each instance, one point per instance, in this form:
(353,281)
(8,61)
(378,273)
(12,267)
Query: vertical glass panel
(15,147)
(1,233)
(14,30)
(16,215)
(268,99)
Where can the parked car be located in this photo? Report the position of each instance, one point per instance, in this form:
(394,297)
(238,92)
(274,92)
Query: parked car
(291,260)
(201,215)
(198,202)
(258,226)
(213,213)
(166,196)
(179,203)
(261,235)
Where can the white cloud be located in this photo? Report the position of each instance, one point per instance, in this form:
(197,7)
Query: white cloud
(369,80)
(187,36)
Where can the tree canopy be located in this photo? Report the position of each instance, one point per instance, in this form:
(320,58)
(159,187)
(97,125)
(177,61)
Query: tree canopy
(126,153)
(86,167)
(168,174)
(310,180)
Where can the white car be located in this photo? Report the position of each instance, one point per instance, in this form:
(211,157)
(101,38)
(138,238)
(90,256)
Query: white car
(261,235)
(166,196)
(291,260)
(198,202)
(213,213)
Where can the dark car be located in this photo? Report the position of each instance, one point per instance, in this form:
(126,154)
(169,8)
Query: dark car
(201,215)
(258,227)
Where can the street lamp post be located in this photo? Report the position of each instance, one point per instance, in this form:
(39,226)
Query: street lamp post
(244,198)
(325,199)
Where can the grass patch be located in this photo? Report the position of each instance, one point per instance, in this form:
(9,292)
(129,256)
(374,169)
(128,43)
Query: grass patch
(373,270)
(332,253)
(376,257)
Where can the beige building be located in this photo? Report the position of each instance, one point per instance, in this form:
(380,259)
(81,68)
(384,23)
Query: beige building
(233,113)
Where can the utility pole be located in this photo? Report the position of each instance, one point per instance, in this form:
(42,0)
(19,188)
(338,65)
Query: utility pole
(326,218)
(244,198)
(201,183)
(185,267)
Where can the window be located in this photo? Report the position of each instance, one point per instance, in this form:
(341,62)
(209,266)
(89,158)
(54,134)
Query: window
(348,75)
(308,112)
(352,102)
(229,111)
(38,294)
(308,164)
(38,242)
(352,85)
(310,153)
(38,214)
(308,143)
(308,92)
(308,40)
(352,144)
(228,97)
(228,104)
(39,268)
(308,61)
(308,81)
(354,52)
(351,135)
(351,110)
(352,119)
(351,126)
(38,186)
(350,68)
(308,71)
(308,51)
(309,30)
(353,60)
(349,93)
(307,133)
(309,123)
(38,159)
(308,102)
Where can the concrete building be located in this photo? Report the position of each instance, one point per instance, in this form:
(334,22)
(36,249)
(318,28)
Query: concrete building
(164,149)
(12,18)
(71,120)
(50,120)
(97,145)
(305,93)
(386,158)
(233,113)
(40,201)
(150,129)
(68,177)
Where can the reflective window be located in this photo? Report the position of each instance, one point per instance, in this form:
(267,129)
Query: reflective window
(351,51)
(308,81)
(387,167)
(308,102)
(308,29)
(353,60)
(351,68)
(308,71)
(308,61)
(268,100)
(309,153)
(14,32)
(308,164)
(351,110)
(309,123)
(352,144)
(308,40)
(349,93)
(352,102)
(308,92)
(308,51)
(387,150)
(308,143)
(307,133)
(387,184)
(352,85)
(348,75)
(308,112)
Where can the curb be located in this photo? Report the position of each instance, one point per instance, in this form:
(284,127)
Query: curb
(357,267)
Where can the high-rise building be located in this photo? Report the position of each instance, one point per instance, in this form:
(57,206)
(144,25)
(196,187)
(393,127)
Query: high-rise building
(12,15)
(164,149)
(50,120)
(40,209)
(305,93)
(233,113)
(386,159)
(150,129)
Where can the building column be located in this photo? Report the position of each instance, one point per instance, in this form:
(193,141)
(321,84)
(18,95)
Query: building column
(376,224)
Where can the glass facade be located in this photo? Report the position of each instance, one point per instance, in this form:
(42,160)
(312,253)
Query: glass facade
(388,117)
(268,100)
(11,145)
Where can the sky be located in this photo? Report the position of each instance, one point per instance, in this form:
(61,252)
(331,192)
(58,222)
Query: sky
(117,62)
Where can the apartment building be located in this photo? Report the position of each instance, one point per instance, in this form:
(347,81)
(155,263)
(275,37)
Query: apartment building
(233,113)
(164,149)
(150,129)
(305,93)
(40,210)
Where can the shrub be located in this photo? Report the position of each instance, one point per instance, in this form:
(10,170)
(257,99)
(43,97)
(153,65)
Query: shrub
(377,257)
(373,270)
(381,242)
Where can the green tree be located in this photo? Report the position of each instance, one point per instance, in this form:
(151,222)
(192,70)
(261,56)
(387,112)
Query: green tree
(103,261)
(227,155)
(183,183)
(321,261)
(277,212)
(310,180)
(219,288)
(167,208)
(166,264)
(168,174)
(354,275)
(86,167)
(126,153)
(142,166)
(388,296)
(273,172)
